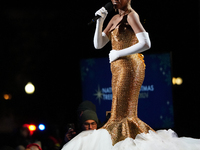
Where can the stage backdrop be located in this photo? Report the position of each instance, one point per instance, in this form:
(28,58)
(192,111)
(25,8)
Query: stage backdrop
(155,105)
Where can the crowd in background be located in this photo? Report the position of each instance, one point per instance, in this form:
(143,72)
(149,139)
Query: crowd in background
(55,138)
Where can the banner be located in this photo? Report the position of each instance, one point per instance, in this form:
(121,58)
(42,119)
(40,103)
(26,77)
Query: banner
(155,105)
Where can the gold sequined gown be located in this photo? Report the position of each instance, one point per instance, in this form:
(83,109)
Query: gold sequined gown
(124,130)
(127,77)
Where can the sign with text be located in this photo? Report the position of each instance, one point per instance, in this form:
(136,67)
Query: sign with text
(155,105)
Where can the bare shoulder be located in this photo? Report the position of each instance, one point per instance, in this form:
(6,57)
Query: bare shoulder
(133,15)
(134,21)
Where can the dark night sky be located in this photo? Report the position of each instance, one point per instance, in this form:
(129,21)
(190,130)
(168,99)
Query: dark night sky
(43,43)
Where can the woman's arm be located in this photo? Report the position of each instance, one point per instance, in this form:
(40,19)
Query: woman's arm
(101,38)
(143,38)
(134,21)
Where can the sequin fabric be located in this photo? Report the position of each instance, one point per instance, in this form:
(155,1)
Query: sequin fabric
(127,77)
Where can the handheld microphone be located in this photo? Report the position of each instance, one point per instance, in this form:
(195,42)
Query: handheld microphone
(108,7)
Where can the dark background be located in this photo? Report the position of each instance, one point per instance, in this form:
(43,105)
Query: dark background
(43,43)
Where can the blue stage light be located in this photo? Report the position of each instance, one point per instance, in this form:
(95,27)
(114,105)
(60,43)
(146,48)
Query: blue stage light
(41,127)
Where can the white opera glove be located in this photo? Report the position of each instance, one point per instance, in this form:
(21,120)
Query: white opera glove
(100,38)
(143,45)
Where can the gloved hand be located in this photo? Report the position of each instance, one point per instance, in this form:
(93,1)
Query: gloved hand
(143,45)
(103,13)
(113,55)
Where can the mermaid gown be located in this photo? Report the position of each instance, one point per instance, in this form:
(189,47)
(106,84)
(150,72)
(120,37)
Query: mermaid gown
(127,77)
(124,130)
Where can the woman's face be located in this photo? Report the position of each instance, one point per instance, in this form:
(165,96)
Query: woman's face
(120,4)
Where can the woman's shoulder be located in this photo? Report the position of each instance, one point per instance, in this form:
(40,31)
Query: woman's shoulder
(133,16)
(133,13)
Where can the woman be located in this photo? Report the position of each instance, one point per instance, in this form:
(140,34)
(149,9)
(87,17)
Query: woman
(128,38)
(124,130)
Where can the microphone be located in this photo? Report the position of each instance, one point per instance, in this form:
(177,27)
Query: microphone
(108,7)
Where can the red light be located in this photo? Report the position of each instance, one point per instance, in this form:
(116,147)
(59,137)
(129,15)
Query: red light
(25,125)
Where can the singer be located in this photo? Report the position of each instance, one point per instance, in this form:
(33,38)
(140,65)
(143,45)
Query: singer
(124,130)
(128,38)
